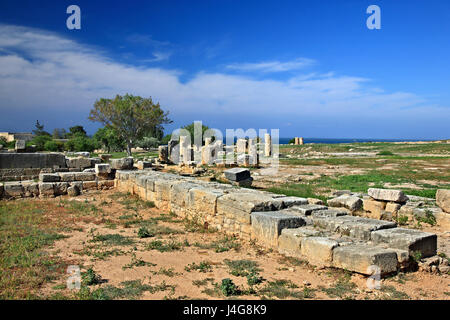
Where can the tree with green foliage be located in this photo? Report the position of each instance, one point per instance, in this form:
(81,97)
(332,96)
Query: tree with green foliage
(77,131)
(59,133)
(39,141)
(108,139)
(39,131)
(81,143)
(148,142)
(191,129)
(132,117)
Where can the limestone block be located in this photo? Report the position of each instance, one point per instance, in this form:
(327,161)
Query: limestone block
(105,184)
(387,195)
(442,219)
(49,177)
(31,189)
(289,241)
(392,207)
(246,201)
(360,258)
(84,176)
(407,239)
(73,191)
(267,226)
(352,226)
(122,164)
(443,199)
(179,193)
(237,174)
(61,188)
(78,163)
(46,189)
(375,207)
(318,250)
(13,190)
(292,201)
(102,168)
(89,185)
(307,209)
(67,176)
(203,200)
(329,213)
(315,201)
(350,202)
(141,165)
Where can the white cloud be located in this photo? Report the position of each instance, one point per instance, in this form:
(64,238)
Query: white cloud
(45,71)
(273,66)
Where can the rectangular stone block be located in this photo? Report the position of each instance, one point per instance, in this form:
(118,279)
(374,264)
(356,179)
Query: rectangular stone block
(387,195)
(318,250)
(375,207)
(13,190)
(89,185)
(329,213)
(267,226)
(237,174)
(78,163)
(307,209)
(355,227)
(46,189)
(365,259)
(84,176)
(346,201)
(49,177)
(290,240)
(31,189)
(292,201)
(61,188)
(102,168)
(105,184)
(247,201)
(67,176)
(179,193)
(203,200)
(407,239)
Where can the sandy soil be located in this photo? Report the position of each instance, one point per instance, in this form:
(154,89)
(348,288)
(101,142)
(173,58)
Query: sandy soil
(273,266)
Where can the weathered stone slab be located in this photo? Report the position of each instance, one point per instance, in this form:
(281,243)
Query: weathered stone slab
(355,227)
(49,177)
(407,239)
(292,201)
(443,199)
(237,174)
(32,160)
(204,200)
(329,213)
(102,168)
(31,189)
(318,250)
(89,185)
(308,209)
(247,201)
(387,195)
(47,189)
(61,188)
(105,184)
(13,189)
(350,202)
(78,163)
(84,176)
(267,226)
(141,165)
(67,176)
(360,258)
(290,240)
(73,191)
(122,164)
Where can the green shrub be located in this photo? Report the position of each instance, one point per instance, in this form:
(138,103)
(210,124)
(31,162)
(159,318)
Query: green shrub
(90,277)
(53,146)
(228,288)
(144,233)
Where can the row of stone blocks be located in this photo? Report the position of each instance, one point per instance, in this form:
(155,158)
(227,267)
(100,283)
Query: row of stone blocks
(54,184)
(326,237)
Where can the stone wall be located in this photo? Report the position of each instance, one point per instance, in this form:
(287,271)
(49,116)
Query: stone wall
(32,160)
(291,225)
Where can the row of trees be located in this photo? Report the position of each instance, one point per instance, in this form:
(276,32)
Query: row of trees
(129,121)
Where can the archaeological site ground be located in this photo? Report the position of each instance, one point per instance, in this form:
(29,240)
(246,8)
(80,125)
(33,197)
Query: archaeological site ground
(343,221)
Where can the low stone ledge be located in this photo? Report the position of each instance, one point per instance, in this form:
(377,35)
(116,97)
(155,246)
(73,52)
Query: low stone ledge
(360,258)
(407,239)
(318,250)
(49,177)
(308,209)
(349,202)
(84,176)
(290,240)
(267,226)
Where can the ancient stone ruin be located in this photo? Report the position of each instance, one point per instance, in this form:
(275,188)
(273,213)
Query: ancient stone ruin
(293,226)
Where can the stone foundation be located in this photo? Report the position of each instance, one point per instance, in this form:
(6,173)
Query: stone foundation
(322,236)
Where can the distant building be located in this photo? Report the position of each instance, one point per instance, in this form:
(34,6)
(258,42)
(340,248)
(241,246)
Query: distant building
(11,136)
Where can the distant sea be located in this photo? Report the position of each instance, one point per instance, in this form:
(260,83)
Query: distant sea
(322,140)
(332,140)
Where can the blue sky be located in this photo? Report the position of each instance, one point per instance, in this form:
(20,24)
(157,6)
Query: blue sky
(308,68)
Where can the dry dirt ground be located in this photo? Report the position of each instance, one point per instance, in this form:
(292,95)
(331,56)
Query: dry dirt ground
(181,260)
